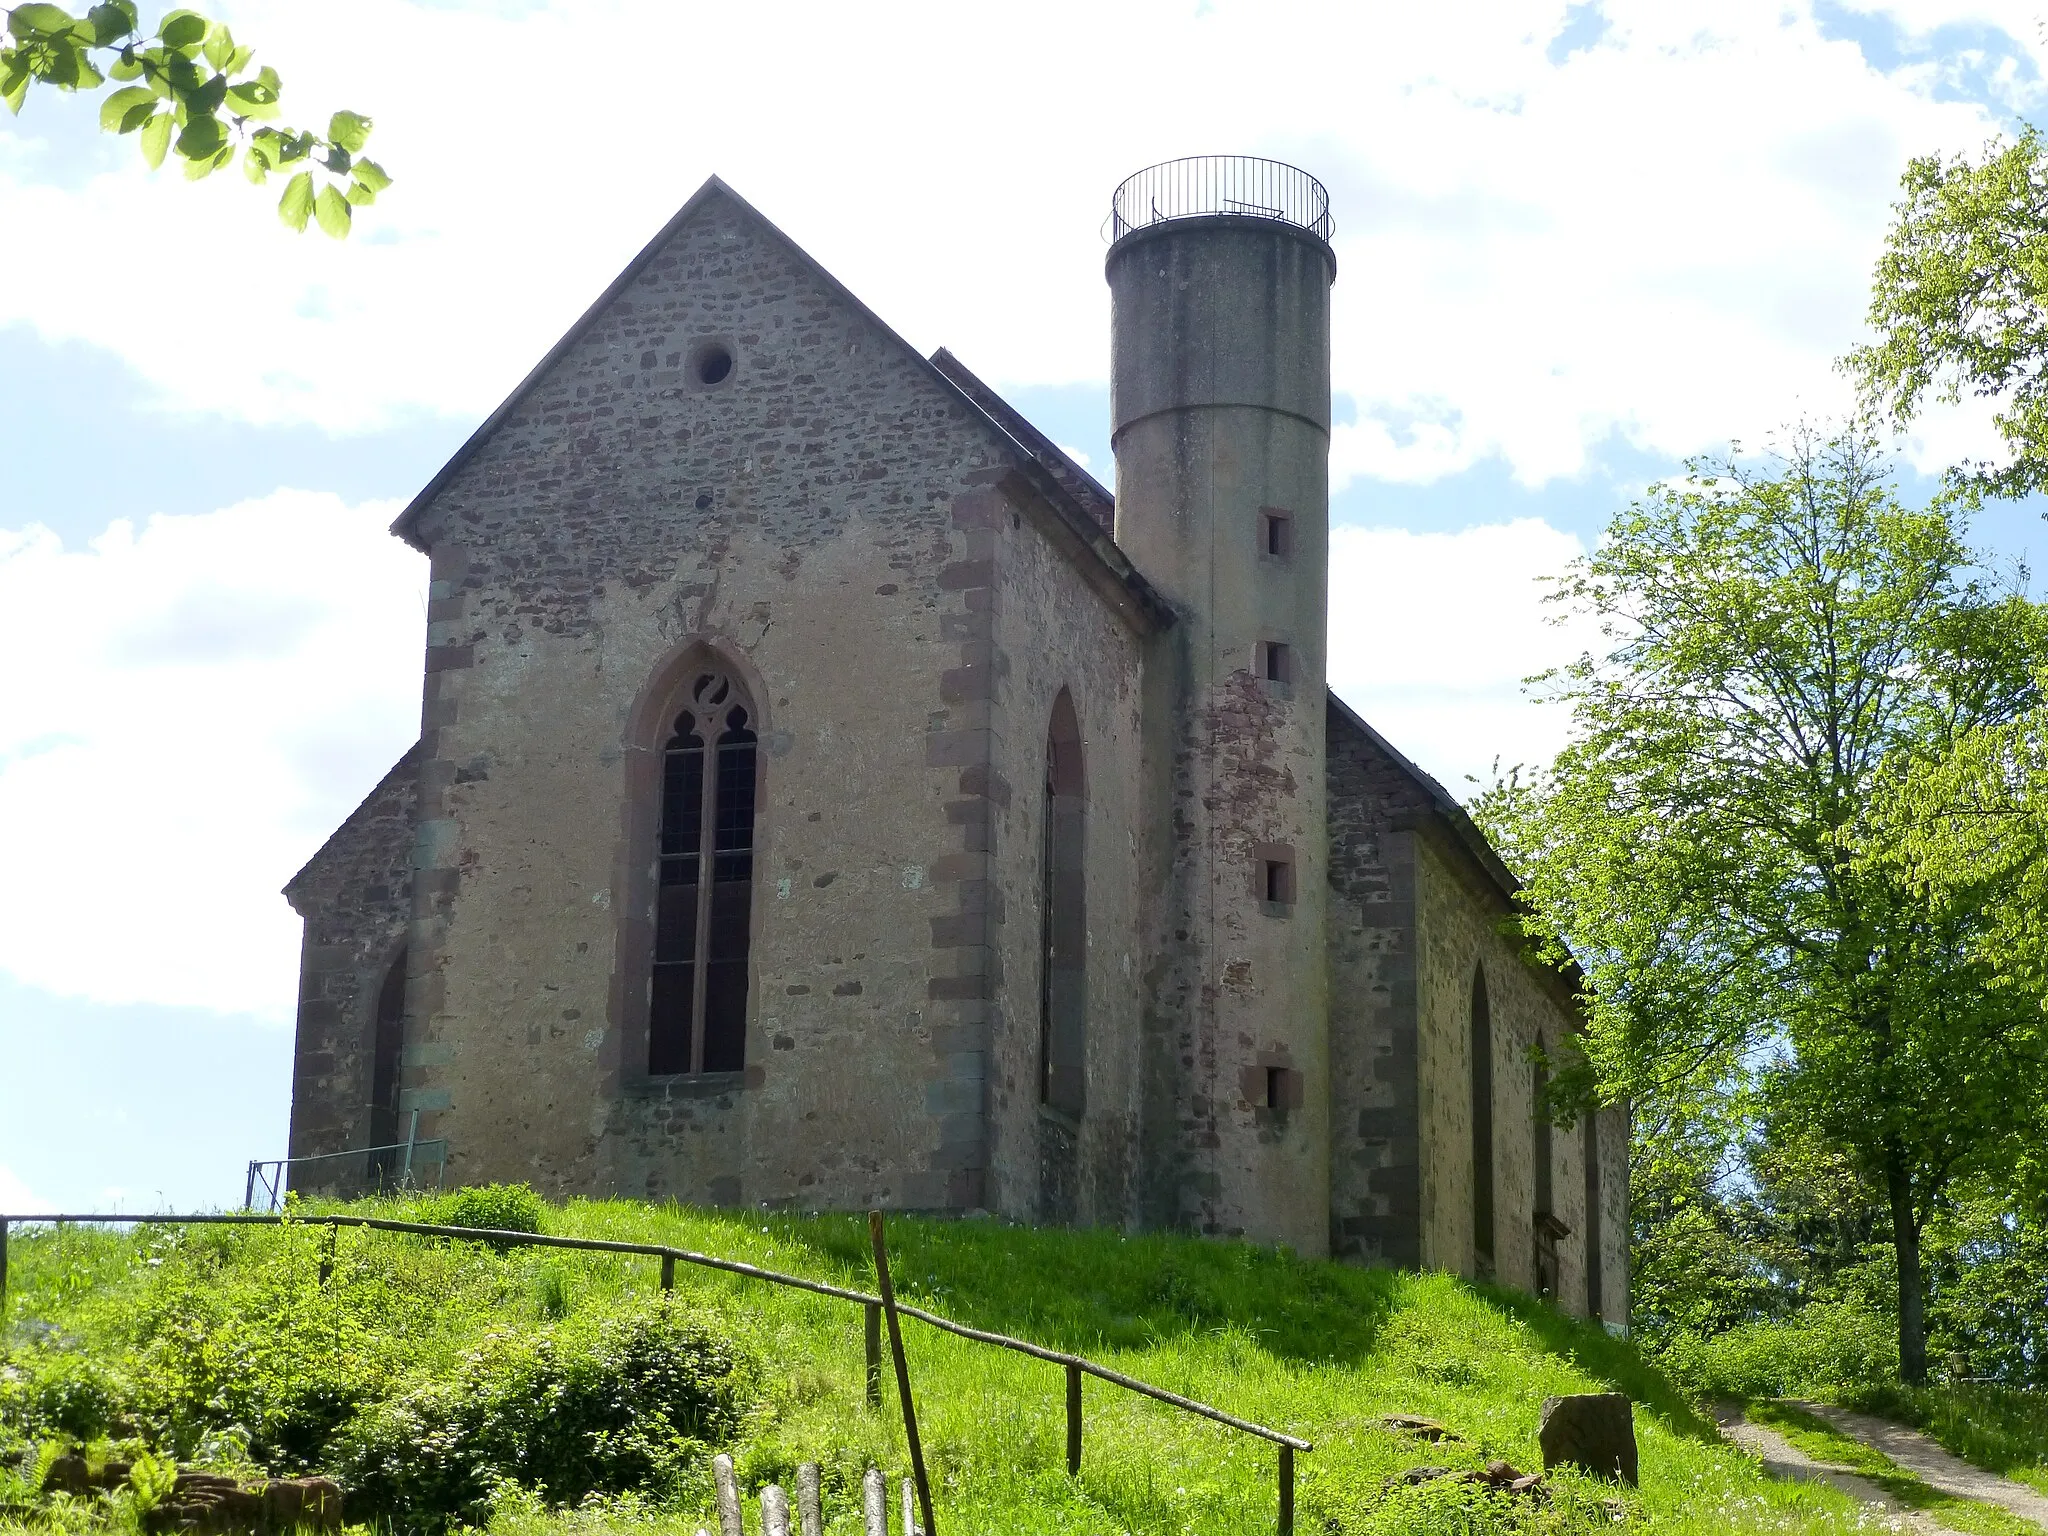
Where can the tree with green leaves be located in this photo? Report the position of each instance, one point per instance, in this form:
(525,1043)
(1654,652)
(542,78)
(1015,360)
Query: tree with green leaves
(190,89)
(1711,846)
(1959,302)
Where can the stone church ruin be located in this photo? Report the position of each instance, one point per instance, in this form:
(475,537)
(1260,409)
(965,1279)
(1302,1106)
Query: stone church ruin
(828,795)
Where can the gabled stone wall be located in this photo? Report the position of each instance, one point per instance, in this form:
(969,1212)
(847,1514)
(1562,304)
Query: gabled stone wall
(821,518)
(355,895)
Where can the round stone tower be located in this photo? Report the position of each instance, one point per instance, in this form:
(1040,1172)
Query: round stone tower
(1219,273)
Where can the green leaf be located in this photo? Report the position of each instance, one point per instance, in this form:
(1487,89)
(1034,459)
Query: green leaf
(127,110)
(220,45)
(202,138)
(254,166)
(60,66)
(14,80)
(127,67)
(372,175)
(348,130)
(156,138)
(112,21)
(296,206)
(239,61)
(183,31)
(252,99)
(334,213)
(196,170)
(47,20)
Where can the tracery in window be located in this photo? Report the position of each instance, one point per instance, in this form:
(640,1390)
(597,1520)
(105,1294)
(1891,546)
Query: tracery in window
(697,1019)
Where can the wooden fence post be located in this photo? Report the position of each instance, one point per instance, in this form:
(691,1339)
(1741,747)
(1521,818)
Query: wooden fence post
(668,1271)
(1073,1421)
(874,1503)
(1286,1490)
(810,1513)
(774,1511)
(874,1312)
(924,1490)
(327,1255)
(728,1496)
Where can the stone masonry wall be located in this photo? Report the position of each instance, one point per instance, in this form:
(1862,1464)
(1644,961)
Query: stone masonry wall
(1375,1143)
(1051,631)
(355,895)
(820,518)
(1457,933)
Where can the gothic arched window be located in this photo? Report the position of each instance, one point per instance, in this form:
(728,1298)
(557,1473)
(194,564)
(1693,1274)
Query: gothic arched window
(1063,918)
(697,1018)
(1482,1126)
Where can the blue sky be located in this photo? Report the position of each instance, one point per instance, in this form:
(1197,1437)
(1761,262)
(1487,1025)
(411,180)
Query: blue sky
(1577,243)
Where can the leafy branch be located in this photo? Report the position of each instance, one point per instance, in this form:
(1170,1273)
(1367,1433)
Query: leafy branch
(190,88)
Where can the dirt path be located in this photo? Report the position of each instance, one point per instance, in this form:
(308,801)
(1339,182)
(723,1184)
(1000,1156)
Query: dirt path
(1922,1456)
(1781,1458)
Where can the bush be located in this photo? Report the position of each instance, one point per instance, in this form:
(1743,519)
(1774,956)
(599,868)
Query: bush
(486,1207)
(566,1412)
(1824,1348)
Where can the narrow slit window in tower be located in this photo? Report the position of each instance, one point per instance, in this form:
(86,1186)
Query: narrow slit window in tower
(1278,882)
(697,1020)
(1276,534)
(1278,662)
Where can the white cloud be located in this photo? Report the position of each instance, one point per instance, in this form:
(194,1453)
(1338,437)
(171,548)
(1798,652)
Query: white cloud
(1431,635)
(189,711)
(1666,235)
(17,1199)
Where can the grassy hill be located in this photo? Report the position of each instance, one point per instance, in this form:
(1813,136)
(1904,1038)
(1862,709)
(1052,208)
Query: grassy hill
(417,1363)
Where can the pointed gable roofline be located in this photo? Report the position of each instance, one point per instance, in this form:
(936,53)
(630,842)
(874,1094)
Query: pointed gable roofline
(1464,832)
(1048,472)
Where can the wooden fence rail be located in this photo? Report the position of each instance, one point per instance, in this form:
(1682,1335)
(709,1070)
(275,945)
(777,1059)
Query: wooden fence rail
(1075,1366)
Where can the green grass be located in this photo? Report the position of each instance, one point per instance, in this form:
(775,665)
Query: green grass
(1824,1443)
(1997,1428)
(1319,1350)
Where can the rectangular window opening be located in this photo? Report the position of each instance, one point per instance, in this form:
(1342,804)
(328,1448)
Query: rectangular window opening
(1276,534)
(1279,662)
(1279,881)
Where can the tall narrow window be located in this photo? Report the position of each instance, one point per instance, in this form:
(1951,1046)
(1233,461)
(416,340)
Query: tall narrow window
(386,1051)
(1594,1299)
(697,1021)
(1548,1228)
(1063,919)
(1482,1127)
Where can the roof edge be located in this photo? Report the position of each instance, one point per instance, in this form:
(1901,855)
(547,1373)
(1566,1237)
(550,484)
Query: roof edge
(408,761)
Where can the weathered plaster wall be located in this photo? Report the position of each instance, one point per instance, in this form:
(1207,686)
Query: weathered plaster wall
(1052,631)
(826,517)
(355,895)
(1457,923)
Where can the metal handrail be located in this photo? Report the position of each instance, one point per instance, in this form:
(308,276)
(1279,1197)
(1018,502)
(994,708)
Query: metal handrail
(409,1149)
(1220,186)
(1076,1365)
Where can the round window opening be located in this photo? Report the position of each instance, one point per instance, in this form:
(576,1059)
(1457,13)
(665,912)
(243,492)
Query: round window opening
(714,363)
